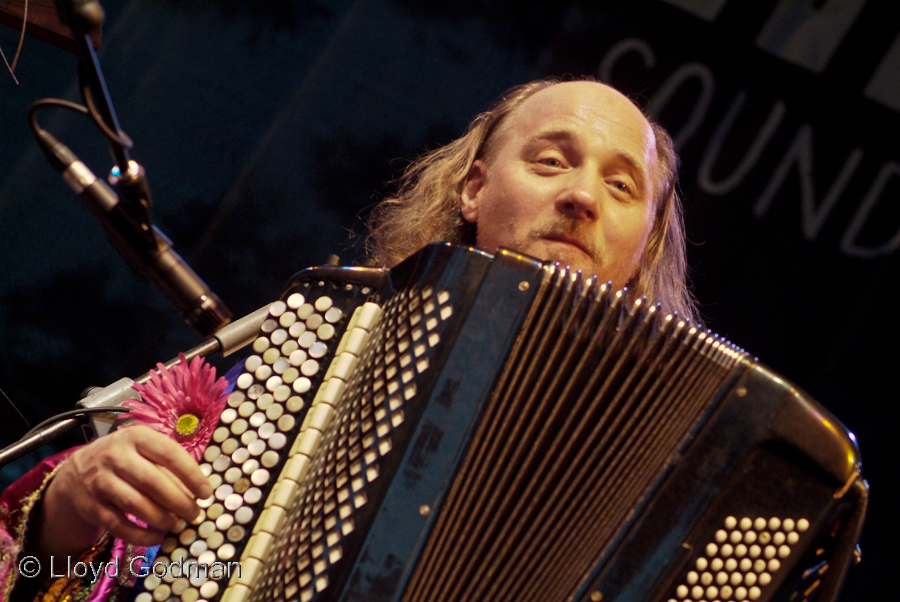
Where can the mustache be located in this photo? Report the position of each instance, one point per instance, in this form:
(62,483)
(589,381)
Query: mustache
(565,227)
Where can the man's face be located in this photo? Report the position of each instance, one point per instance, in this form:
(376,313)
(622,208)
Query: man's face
(570,179)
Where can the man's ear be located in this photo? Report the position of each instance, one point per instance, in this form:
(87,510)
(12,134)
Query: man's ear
(470,195)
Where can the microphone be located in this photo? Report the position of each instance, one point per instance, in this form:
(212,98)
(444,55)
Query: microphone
(147,250)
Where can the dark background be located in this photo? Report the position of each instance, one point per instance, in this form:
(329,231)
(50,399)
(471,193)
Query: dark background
(267,130)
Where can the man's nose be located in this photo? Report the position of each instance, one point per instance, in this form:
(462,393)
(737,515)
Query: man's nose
(580,199)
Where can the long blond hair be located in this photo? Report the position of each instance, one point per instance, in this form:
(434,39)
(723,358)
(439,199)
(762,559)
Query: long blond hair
(426,207)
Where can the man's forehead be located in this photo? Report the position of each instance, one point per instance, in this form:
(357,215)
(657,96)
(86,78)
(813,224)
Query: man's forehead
(579,106)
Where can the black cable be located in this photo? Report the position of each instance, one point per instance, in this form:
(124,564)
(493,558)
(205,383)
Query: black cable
(70,413)
(124,141)
(121,138)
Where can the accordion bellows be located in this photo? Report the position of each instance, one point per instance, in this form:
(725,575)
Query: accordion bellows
(475,428)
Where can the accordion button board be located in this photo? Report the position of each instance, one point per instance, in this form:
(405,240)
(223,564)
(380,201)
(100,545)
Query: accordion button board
(466,427)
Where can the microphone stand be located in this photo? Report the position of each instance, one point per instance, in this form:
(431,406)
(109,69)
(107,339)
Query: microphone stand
(125,211)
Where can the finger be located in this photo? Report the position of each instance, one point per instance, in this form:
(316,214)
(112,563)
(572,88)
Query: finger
(119,526)
(131,501)
(166,452)
(155,483)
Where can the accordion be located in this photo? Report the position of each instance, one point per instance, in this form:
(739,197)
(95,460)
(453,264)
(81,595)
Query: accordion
(468,427)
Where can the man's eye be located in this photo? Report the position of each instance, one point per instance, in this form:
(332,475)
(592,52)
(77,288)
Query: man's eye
(622,186)
(550,162)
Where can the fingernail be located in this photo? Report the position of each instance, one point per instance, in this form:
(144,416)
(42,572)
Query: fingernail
(206,491)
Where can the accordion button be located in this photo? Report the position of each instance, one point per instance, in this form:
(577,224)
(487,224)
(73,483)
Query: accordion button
(209,589)
(305,311)
(260,477)
(309,368)
(325,332)
(784,552)
(206,529)
(252,363)
(232,474)
(229,446)
(144,597)
(286,320)
(257,447)
(277,441)
(246,409)
(225,552)
(179,585)
(802,525)
(190,595)
(162,593)
(692,578)
(279,337)
(277,308)
(240,455)
(297,358)
(334,315)
(224,522)
(269,325)
(314,321)
(295,300)
(215,540)
(252,496)
(290,375)
(302,385)
(250,436)
(754,593)
(765,579)
(187,537)
(235,533)
(236,399)
(243,515)
(215,511)
(257,420)
(792,538)
(681,591)
(324,303)
(242,485)
(285,424)
(296,329)
(233,501)
(260,344)
(250,466)
(198,547)
(266,430)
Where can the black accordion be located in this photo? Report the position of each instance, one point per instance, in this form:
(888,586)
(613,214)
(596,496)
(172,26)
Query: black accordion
(468,427)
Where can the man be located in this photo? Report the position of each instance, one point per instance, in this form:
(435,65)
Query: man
(571,172)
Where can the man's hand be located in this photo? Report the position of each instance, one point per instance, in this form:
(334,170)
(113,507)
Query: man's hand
(135,471)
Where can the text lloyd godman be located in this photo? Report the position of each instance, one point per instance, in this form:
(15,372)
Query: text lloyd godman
(140,567)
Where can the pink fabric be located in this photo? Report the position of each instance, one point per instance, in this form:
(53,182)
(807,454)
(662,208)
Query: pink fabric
(15,504)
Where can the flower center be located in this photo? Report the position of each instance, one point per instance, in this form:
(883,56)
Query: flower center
(187,425)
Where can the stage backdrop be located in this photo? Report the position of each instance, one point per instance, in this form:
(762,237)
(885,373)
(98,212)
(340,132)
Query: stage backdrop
(267,130)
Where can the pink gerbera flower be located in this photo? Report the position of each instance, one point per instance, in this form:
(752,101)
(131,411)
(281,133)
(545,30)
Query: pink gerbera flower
(183,402)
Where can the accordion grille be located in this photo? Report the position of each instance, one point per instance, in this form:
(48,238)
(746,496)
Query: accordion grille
(596,396)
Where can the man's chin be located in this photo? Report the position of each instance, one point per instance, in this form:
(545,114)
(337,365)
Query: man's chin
(565,254)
